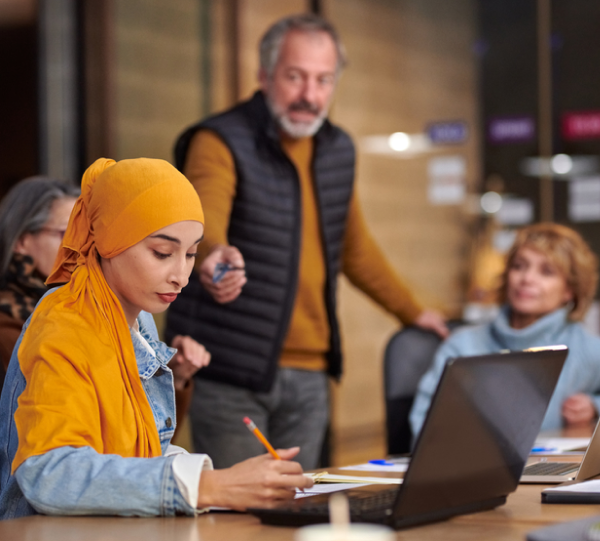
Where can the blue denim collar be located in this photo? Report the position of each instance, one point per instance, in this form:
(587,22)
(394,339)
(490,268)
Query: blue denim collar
(147,363)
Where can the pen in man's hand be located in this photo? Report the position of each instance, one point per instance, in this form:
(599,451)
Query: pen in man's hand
(221,269)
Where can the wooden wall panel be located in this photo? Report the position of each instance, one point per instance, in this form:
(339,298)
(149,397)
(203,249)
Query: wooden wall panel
(411,62)
(255,16)
(223,55)
(157,78)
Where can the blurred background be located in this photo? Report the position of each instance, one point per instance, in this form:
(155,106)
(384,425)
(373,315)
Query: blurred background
(471,119)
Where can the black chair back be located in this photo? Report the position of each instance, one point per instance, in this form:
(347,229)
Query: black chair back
(407,357)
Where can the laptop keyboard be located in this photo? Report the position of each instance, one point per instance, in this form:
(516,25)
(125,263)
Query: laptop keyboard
(550,468)
(380,503)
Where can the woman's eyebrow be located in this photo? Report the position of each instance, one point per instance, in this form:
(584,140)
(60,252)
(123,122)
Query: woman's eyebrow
(166,237)
(172,239)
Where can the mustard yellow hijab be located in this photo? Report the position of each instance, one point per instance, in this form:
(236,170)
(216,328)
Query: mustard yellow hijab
(83,386)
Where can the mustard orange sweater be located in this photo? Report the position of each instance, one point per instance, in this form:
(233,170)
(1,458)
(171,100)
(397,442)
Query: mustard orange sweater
(210,168)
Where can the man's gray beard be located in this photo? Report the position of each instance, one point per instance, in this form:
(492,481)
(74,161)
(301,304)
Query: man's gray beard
(299,130)
(296,130)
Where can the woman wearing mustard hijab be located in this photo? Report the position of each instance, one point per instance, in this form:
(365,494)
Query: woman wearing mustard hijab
(88,397)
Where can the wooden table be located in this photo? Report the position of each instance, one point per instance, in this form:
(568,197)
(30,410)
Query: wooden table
(522,513)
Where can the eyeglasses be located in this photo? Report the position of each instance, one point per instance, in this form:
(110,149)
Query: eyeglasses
(52,231)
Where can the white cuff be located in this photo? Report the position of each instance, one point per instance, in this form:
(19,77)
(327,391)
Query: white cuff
(187,469)
(175,450)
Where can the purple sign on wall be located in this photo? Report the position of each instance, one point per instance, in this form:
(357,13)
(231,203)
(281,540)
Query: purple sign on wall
(511,129)
(448,133)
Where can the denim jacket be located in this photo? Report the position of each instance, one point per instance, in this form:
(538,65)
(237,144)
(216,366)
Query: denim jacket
(80,481)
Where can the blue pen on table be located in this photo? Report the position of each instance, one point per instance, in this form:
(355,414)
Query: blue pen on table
(381,462)
(221,269)
(544,450)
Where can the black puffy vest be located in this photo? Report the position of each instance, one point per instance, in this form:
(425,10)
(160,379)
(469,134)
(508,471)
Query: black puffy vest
(245,336)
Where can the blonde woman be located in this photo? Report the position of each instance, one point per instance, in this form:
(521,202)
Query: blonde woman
(547,287)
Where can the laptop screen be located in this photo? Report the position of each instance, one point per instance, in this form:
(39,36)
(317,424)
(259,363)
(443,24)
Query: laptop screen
(483,421)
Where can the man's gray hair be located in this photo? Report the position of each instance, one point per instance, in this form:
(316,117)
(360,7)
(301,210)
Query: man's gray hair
(270,44)
(26,209)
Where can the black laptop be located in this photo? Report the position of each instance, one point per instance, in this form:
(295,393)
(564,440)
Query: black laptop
(483,421)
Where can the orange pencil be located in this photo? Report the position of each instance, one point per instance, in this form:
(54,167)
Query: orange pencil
(253,428)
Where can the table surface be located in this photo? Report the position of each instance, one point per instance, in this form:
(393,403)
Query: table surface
(522,513)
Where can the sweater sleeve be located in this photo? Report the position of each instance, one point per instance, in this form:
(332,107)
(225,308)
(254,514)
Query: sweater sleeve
(367,268)
(210,168)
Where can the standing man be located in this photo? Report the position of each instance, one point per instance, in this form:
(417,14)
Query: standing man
(277,181)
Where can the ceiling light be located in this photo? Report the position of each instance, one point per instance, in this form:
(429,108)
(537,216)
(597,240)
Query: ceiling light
(399,141)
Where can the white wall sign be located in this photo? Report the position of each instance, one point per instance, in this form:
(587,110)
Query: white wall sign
(515,211)
(584,199)
(447,185)
(503,240)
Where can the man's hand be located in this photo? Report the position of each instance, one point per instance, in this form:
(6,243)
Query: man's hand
(256,482)
(579,409)
(230,286)
(433,321)
(190,357)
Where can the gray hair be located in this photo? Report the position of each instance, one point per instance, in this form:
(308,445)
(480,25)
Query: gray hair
(270,44)
(26,209)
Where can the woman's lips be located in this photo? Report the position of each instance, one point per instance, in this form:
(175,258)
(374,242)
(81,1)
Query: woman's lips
(525,295)
(167,297)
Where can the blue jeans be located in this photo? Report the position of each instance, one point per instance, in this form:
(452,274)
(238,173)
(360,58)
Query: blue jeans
(295,412)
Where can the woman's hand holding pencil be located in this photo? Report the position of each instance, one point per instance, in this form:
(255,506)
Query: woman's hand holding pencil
(256,482)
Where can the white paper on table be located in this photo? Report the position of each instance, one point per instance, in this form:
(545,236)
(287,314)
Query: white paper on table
(586,486)
(561,445)
(326,488)
(377,467)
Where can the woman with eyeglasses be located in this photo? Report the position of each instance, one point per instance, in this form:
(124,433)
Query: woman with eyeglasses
(33,218)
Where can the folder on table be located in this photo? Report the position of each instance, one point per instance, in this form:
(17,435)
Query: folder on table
(577,492)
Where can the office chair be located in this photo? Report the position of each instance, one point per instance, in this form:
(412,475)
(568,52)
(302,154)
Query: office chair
(407,357)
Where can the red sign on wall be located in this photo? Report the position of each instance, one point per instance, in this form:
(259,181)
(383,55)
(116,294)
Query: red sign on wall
(581,125)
